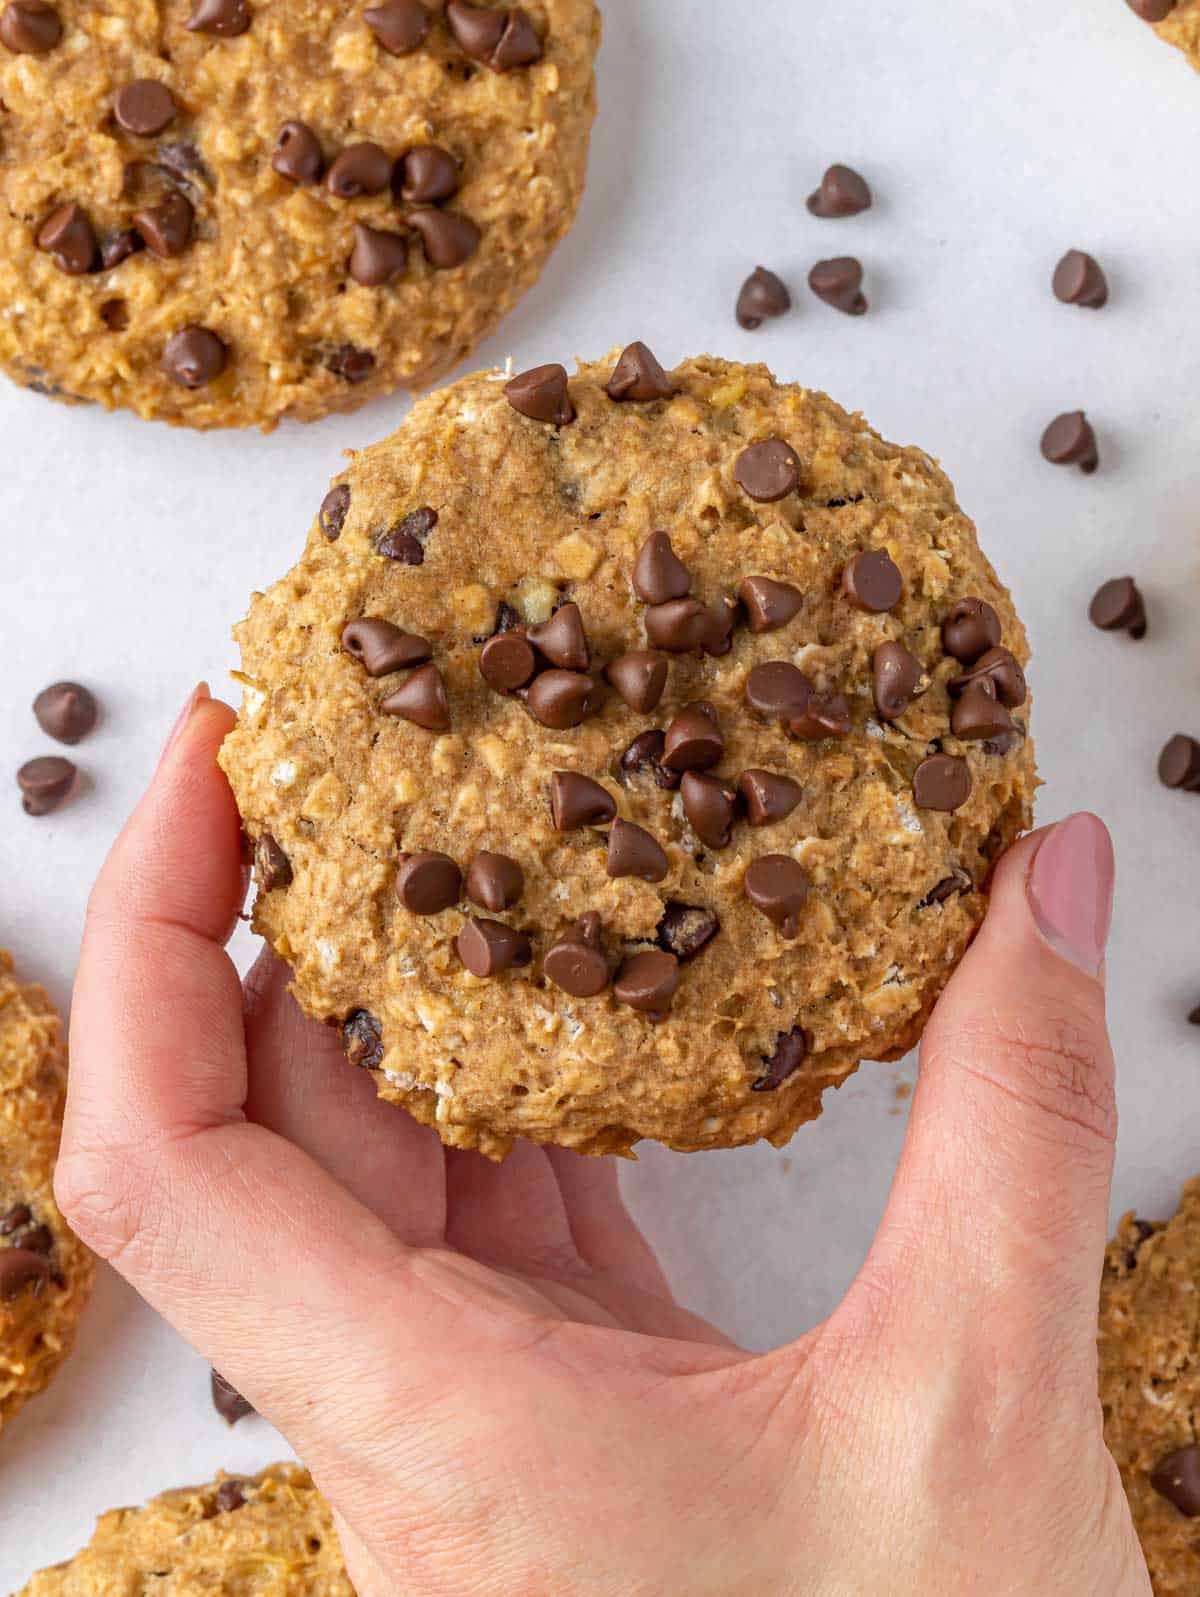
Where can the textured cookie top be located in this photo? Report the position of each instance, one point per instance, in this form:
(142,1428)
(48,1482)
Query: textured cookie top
(1150,1385)
(738,852)
(269,1536)
(221,212)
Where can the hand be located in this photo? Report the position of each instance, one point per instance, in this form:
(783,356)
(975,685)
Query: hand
(483,1365)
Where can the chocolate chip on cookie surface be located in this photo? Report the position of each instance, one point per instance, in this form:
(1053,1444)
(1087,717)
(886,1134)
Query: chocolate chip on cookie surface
(702,648)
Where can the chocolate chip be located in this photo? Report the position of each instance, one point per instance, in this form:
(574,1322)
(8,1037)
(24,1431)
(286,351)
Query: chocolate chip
(778,690)
(777,885)
(334,507)
(115,248)
(633,852)
(70,238)
(686,928)
(448,238)
(428,882)
(400,26)
(768,470)
(16,1219)
(362,1040)
(1152,10)
(762,295)
(941,782)
(351,364)
(724,614)
(494,881)
(895,677)
(645,754)
(577,801)
(227,1400)
(501,39)
(381,647)
(1078,280)
(640,677)
(45,783)
(1179,763)
(681,626)
(1143,1231)
(978,714)
(769,604)
(406,540)
(1194,1016)
(360,169)
(1117,606)
(507,662)
(378,257)
(1070,441)
(710,806)
(658,574)
(1002,668)
(230,1496)
(576,962)
(542,394)
(970,630)
(648,981)
(957,882)
(693,741)
(842,193)
(226,18)
(183,163)
(421,700)
(486,947)
(507,619)
(193,357)
(519,44)
(66,711)
(39,1240)
(791,1050)
(872,581)
(638,375)
(426,175)
(30,27)
(144,107)
(298,155)
(769,797)
(827,716)
(1177,1478)
(562,699)
(562,639)
(167,228)
(839,283)
(271,864)
(21,1268)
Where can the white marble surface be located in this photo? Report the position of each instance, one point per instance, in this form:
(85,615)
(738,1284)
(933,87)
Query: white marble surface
(995,138)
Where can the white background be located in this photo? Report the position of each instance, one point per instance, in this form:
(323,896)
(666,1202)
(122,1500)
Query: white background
(995,137)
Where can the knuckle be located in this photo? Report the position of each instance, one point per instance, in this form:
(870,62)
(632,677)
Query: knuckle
(100,1195)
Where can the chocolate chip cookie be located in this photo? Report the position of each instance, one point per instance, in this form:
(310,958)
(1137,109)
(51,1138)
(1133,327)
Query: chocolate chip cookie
(1176,21)
(268,1536)
(627,753)
(45,1272)
(1150,1385)
(223,212)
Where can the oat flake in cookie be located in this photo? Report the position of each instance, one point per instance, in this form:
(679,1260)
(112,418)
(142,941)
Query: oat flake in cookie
(655,613)
(220,214)
(45,1272)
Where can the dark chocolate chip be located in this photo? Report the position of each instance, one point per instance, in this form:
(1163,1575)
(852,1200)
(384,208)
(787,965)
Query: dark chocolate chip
(16,1219)
(144,107)
(1194,1016)
(115,248)
(406,540)
(363,168)
(658,573)
(978,714)
(769,797)
(519,43)
(39,1240)
(428,882)
(477,30)
(362,1040)
(507,662)
(1078,280)
(542,394)
(838,282)
(762,295)
(194,356)
(686,928)
(227,1400)
(486,947)
(769,604)
(842,193)
(941,782)
(693,741)
(426,175)
(710,806)
(166,229)
(45,783)
(400,26)
(1071,441)
(334,508)
(777,885)
(1117,606)
(378,256)
(226,18)
(633,852)
(681,626)
(421,700)
(970,630)
(640,677)
(638,375)
(66,711)
(30,27)
(298,155)
(791,1050)
(380,646)
(562,639)
(768,470)
(351,364)
(872,581)
(895,677)
(507,619)
(957,882)
(230,1496)
(1179,763)
(1177,1478)
(576,962)
(447,237)
(724,614)
(648,981)
(494,881)
(271,864)
(645,754)
(22,1268)
(1002,668)
(778,690)
(1152,10)
(70,238)
(827,716)
(562,699)
(183,164)
(577,800)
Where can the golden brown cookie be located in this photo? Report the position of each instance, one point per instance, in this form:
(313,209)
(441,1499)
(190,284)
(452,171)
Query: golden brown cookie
(223,212)
(1176,21)
(1150,1385)
(268,1536)
(626,756)
(45,1271)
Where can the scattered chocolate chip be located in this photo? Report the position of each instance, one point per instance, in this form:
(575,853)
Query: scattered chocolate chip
(1117,606)
(1179,763)
(1194,1016)
(762,295)
(406,540)
(693,741)
(839,283)
(66,711)
(16,1219)
(428,882)
(872,581)
(1152,10)
(941,782)
(507,619)
(226,18)
(827,716)
(194,356)
(30,27)
(448,237)
(638,375)
(1071,441)
(334,507)
(362,1040)
(494,881)
(1177,1478)
(1002,668)
(778,690)
(791,1050)
(957,882)
(360,169)
(486,947)
(381,647)
(681,626)
(378,257)
(1143,1230)
(978,714)
(21,1268)
(710,806)
(576,962)
(561,699)
(577,801)
(115,248)
(519,44)
(230,1496)
(352,365)
(645,754)
(686,928)
(1078,280)
(45,783)
(648,981)
(507,662)
(501,39)
(542,394)
(769,604)
(298,155)
(227,1400)
(777,885)
(895,677)
(39,1240)
(166,229)
(183,163)
(768,796)
(724,614)
(70,238)
(421,700)
(768,470)
(640,677)
(562,639)
(658,573)
(633,852)
(144,107)
(970,630)
(400,26)
(842,193)
(426,175)
(271,864)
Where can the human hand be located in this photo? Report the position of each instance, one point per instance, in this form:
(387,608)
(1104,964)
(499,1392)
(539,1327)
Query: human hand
(483,1366)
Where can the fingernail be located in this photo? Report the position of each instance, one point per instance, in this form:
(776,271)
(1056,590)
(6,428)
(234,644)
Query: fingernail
(1071,887)
(197,696)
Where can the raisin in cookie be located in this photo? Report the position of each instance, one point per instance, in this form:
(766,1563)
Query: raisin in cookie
(1150,1385)
(627,754)
(45,1272)
(269,1536)
(222,212)
(1176,21)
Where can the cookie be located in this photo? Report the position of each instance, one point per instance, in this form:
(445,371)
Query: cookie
(1176,21)
(1150,1385)
(270,1536)
(223,212)
(45,1271)
(627,754)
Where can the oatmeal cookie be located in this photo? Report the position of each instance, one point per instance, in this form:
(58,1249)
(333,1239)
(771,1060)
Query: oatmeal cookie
(1176,21)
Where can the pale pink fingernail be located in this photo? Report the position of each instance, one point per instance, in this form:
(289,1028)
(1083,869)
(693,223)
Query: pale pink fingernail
(197,696)
(1071,889)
